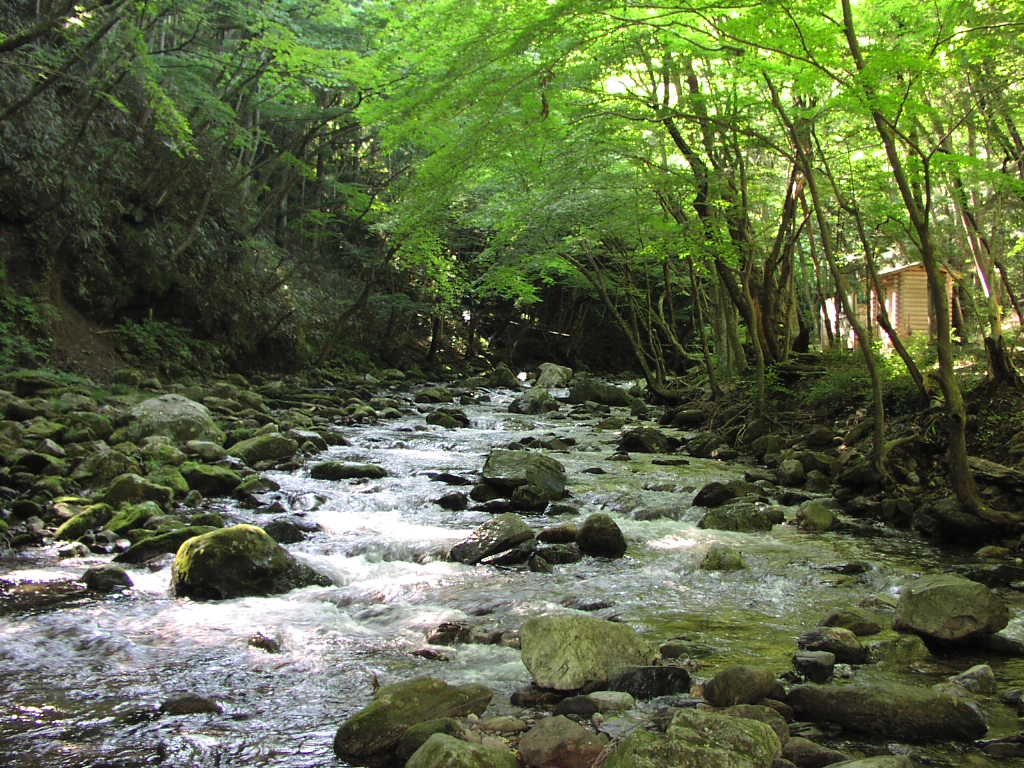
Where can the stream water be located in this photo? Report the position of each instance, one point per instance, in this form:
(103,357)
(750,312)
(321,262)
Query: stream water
(79,683)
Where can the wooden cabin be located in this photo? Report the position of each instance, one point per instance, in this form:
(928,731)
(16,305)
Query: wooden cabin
(905,293)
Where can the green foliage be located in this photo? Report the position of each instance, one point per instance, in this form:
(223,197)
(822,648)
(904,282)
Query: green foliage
(166,347)
(24,334)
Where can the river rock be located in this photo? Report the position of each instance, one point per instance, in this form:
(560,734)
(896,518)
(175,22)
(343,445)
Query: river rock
(836,640)
(93,516)
(270,447)
(434,395)
(175,416)
(697,739)
(503,376)
(507,470)
(855,619)
(747,518)
(644,440)
(584,389)
(370,735)
(713,494)
(740,684)
(883,761)
(165,543)
(722,557)
(211,479)
(815,517)
(130,488)
(651,682)
(805,753)
(345,470)
(790,472)
(600,536)
(534,401)
(977,679)
(569,652)
(553,376)
(500,533)
(949,608)
(444,751)
(102,466)
(816,666)
(289,530)
(107,578)
(236,562)
(890,711)
(558,742)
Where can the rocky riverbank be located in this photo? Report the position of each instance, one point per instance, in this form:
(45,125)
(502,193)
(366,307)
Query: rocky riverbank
(136,475)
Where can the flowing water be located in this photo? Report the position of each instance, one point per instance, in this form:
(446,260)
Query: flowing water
(79,683)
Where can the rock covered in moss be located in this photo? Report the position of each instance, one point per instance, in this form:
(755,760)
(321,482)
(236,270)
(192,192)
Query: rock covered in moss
(722,557)
(507,470)
(950,609)
(236,562)
(344,470)
(211,479)
(740,684)
(569,652)
(498,534)
(148,547)
(697,739)
(172,415)
(130,488)
(93,516)
(270,447)
(890,710)
(600,536)
(559,741)
(370,735)
(444,751)
(107,578)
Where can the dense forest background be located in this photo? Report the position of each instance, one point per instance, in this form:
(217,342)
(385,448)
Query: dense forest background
(659,187)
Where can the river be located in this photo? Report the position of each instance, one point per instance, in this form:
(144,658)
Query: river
(79,683)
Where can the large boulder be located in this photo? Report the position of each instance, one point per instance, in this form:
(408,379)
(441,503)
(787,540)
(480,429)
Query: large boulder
(175,416)
(747,518)
(498,534)
(552,375)
(697,739)
(890,711)
(236,562)
(346,470)
(272,447)
(444,751)
(644,440)
(584,389)
(130,488)
(949,608)
(507,470)
(569,652)
(211,479)
(600,536)
(370,735)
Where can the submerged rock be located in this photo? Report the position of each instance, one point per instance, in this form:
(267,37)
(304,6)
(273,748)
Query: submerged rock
(569,652)
(890,711)
(236,562)
(370,735)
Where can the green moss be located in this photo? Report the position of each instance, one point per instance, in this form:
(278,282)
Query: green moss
(91,517)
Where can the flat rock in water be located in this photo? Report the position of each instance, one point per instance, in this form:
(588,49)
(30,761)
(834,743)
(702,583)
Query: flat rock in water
(890,711)
(950,609)
(568,652)
(343,470)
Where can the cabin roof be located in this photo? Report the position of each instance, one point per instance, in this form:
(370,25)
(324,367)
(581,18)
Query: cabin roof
(912,265)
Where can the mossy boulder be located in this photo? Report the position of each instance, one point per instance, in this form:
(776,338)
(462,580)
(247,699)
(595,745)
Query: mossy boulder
(949,608)
(170,477)
(236,562)
(534,401)
(93,516)
(722,557)
(434,395)
(500,533)
(371,734)
(747,518)
(585,389)
(102,466)
(130,488)
(211,479)
(697,739)
(568,652)
(272,447)
(173,415)
(507,470)
(132,516)
(600,536)
(443,751)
